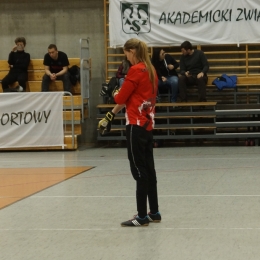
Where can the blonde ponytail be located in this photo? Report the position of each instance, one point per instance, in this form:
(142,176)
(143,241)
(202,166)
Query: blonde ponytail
(142,56)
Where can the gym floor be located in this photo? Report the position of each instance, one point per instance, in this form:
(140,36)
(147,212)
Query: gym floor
(69,205)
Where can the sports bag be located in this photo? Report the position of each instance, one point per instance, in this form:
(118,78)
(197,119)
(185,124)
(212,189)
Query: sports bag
(74,74)
(225,81)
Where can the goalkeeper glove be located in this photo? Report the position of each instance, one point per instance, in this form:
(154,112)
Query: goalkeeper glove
(105,123)
(104,90)
(115,91)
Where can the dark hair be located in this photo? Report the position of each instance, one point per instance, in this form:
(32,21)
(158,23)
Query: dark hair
(186,45)
(20,39)
(156,55)
(52,46)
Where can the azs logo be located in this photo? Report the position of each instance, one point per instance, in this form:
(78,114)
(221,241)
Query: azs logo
(135,17)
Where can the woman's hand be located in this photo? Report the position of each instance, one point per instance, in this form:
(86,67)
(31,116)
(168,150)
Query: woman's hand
(200,75)
(164,79)
(170,66)
(14,48)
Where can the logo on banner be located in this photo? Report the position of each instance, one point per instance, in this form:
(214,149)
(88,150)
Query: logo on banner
(135,17)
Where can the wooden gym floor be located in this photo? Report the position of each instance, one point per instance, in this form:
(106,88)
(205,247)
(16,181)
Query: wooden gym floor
(209,199)
(19,183)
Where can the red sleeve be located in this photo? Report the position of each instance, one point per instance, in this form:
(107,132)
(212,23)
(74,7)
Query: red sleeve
(129,85)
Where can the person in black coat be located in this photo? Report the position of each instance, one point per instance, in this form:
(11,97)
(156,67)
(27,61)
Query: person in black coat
(193,69)
(166,66)
(18,63)
(56,64)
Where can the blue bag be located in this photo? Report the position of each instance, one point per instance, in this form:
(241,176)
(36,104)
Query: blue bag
(225,81)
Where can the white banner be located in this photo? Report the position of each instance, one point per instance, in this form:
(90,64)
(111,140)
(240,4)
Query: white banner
(31,119)
(171,22)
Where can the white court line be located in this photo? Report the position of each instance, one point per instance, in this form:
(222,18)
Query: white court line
(124,228)
(170,159)
(160,196)
(125,159)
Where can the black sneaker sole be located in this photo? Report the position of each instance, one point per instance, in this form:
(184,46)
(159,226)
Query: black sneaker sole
(144,225)
(134,223)
(153,220)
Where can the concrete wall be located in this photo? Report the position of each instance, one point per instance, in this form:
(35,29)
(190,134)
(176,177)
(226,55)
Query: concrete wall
(63,23)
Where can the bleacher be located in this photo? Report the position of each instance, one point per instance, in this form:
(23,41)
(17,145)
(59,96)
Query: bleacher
(35,74)
(234,115)
(192,122)
(75,106)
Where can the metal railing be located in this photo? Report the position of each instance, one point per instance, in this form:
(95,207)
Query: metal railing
(71,108)
(84,74)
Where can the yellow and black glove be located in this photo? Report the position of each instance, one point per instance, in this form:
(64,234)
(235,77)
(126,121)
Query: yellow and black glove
(104,125)
(115,91)
(104,90)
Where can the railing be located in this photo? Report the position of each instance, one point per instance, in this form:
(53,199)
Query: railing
(72,117)
(84,74)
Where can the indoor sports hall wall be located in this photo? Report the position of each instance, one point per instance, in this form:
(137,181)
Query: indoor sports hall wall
(63,23)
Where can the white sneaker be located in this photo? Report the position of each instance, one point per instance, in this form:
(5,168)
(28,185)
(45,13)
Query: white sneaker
(19,89)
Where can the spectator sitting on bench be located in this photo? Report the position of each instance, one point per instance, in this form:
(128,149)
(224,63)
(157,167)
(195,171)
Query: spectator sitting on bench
(122,71)
(56,68)
(18,61)
(193,69)
(165,66)
(115,82)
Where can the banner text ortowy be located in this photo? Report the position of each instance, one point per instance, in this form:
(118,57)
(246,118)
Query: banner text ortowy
(31,119)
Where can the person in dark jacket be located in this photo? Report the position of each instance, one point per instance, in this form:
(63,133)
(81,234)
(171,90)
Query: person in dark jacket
(122,71)
(56,64)
(166,66)
(193,69)
(18,61)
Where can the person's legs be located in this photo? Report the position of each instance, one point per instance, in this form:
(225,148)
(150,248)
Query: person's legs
(191,81)
(66,81)
(152,180)
(201,84)
(121,81)
(45,83)
(183,88)
(141,197)
(173,83)
(163,87)
(7,80)
(136,147)
(22,79)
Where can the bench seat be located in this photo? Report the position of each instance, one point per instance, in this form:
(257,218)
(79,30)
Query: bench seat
(192,122)
(35,74)
(76,102)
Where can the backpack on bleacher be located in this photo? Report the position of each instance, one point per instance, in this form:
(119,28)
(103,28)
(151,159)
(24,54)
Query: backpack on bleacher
(74,74)
(107,88)
(225,81)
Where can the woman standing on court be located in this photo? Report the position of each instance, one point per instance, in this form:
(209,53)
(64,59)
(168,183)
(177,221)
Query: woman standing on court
(138,96)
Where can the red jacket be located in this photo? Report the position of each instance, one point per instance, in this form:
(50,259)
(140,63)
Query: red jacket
(139,96)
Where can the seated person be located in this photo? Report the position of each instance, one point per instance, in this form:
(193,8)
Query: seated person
(56,68)
(165,66)
(122,71)
(117,81)
(193,69)
(18,63)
